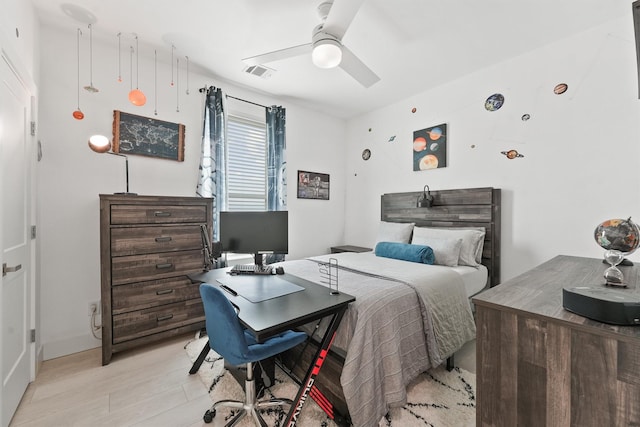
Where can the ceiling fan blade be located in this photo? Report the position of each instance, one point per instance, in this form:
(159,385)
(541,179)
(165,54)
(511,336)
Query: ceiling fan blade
(277,55)
(340,16)
(357,69)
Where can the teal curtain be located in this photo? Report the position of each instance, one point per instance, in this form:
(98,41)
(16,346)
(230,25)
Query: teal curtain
(276,159)
(276,165)
(212,157)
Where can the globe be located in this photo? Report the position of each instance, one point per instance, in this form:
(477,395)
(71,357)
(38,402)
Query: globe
(618,234)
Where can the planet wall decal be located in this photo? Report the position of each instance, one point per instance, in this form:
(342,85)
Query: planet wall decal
(560,88)
(494,102)
(512,154)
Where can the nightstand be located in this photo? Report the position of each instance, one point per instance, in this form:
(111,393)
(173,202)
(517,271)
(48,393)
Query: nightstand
(349,248)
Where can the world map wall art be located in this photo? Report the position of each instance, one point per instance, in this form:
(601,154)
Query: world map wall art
(147,137)
(430,148)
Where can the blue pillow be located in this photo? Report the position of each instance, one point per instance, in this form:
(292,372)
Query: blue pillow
(406,252)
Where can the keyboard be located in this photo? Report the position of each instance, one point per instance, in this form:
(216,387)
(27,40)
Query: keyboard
(251,269)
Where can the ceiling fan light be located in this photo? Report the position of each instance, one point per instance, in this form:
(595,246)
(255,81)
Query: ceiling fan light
(326,53)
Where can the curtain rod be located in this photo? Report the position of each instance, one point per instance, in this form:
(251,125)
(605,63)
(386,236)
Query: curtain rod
(205,89)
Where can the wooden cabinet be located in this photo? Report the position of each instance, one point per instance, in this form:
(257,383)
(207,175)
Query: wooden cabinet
(540,365)
(148,244)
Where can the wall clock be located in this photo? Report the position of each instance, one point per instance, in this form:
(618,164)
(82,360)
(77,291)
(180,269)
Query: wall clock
(366,154)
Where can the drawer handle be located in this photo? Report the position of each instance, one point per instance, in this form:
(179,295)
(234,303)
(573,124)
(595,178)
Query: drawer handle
(164,266)
(165,317)
(161,213)
(164,292)
(163,239)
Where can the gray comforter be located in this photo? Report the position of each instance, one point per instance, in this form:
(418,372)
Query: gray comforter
(407,318)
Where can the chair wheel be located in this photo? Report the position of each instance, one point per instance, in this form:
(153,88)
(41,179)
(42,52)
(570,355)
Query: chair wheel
(208,416)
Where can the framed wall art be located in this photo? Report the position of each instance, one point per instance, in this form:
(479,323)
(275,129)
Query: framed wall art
(147,137)
(312,185)
(430,148)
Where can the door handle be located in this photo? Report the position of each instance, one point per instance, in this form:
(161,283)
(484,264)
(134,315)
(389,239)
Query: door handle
(6,269)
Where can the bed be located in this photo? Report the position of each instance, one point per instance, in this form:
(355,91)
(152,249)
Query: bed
(408,317)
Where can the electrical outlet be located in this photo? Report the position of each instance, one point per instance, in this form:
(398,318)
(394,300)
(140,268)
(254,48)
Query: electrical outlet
(94,307)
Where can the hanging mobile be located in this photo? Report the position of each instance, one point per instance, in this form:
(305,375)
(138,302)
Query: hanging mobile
(155,82)
(136,96)
(172,49)
(119,59)
(91,88)
(78,114)
(177,85)
(187,91)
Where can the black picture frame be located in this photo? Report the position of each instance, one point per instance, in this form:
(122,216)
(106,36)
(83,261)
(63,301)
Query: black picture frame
(145,136)
(313,185)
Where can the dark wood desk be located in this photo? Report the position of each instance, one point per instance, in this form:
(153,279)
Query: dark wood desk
(539,364)
(270,317)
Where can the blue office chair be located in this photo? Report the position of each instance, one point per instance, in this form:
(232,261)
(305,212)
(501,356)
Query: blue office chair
(237,346)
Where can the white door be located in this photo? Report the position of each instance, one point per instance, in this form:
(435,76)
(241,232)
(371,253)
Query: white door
(15,142)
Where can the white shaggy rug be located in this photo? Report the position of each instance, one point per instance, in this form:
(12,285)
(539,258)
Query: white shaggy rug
(437,398)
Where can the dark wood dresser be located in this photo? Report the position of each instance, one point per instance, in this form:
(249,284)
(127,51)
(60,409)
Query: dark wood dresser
(148,244)
(540,365)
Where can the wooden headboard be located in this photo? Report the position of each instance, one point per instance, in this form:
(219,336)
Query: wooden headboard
(468,207)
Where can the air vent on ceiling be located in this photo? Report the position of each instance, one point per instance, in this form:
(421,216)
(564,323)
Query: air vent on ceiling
(259,70)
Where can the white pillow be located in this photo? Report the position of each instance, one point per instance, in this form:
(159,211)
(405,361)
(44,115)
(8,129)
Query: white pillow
(398,232)
(480,245)
(445,251)
(471,241)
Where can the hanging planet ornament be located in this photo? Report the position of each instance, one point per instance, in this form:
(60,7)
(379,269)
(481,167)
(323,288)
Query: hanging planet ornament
(137,98)
(78,115)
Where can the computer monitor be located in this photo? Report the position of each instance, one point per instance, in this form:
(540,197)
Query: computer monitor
(263,232)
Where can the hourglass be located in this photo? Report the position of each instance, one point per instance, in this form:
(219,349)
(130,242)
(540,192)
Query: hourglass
(612,275)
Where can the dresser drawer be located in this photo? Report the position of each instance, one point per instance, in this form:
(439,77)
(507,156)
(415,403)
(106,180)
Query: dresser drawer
(141,323)
(146,240)
(157,214)
(141,295)
(139,268)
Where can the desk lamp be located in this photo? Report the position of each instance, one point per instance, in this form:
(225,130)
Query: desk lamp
(101,144)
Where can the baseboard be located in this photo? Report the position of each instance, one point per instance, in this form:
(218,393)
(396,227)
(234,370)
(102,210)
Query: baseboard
(68,346)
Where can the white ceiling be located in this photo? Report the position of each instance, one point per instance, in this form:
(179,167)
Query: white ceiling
(413,45)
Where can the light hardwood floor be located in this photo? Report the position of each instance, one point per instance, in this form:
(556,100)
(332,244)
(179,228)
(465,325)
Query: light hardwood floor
(147,387)
(144,387)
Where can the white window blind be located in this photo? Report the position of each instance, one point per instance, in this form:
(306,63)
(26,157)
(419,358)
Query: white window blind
(246,164)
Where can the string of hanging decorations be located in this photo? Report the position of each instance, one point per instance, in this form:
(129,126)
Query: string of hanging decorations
(136,95)
(78,114)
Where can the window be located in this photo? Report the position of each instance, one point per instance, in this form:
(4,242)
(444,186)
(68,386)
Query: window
(246,164)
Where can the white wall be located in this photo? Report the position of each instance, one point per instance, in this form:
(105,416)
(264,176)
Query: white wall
(71,175)
(19,26)
(580,164)
(582,151)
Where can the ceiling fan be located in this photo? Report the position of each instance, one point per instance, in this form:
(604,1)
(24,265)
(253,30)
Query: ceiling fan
(327,50)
